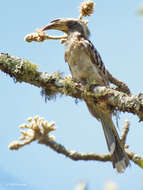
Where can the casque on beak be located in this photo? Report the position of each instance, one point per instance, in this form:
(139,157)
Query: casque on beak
(58,24)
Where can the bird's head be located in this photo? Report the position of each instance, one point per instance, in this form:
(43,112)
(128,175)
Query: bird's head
(68,25)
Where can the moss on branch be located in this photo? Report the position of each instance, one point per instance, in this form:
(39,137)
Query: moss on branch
(22,70)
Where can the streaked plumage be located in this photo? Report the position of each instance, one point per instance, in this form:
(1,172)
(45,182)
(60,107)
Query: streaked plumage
(87,67)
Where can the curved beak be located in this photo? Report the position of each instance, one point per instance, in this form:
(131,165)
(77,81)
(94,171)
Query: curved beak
(58,24)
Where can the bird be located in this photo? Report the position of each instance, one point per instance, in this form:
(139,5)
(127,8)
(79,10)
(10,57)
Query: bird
(87,67)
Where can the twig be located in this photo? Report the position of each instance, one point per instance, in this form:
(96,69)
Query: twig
(39,130)
(125,131)
(137,159)
(86,9)
(41,36)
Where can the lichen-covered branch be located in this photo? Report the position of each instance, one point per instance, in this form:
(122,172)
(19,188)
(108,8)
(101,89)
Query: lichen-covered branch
(39,130)
(22,70)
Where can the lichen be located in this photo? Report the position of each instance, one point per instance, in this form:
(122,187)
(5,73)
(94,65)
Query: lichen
(19,69)
(50,92)
(24,69)
(69,87)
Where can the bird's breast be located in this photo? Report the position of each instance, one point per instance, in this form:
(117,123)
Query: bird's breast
(80,64)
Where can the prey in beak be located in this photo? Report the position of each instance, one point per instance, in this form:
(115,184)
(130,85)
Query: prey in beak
(69,25)
(57,24)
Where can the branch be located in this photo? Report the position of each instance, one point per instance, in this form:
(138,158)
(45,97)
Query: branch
(22,70)
(39,130)
(125,131)
(86,9)
(40,36)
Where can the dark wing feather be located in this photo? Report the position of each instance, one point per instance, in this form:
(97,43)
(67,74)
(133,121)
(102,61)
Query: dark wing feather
(96,59)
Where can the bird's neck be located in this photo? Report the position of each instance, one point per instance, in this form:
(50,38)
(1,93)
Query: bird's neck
(77,35)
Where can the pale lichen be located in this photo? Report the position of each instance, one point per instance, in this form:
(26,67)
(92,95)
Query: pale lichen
(19,69)
(51,92)
(69,86)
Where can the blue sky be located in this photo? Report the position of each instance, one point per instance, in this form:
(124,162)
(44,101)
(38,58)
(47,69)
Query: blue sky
(116,31)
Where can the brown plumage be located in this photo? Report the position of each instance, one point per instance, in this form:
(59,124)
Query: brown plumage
(87,67)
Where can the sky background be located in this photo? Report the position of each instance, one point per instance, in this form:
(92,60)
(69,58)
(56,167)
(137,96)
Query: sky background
(117,33)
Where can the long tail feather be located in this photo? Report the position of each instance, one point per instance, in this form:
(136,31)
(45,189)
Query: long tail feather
(119,158)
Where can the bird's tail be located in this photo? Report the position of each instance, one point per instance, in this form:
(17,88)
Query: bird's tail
(119,157)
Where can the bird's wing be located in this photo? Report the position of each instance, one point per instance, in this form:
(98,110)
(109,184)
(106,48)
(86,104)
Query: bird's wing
(95,57)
